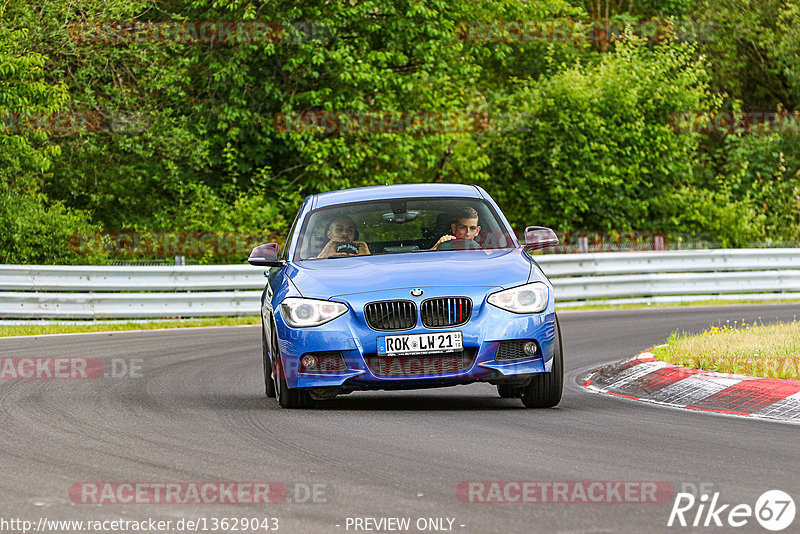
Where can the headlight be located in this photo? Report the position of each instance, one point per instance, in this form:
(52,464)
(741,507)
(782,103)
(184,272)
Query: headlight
(530,298)
(300,312)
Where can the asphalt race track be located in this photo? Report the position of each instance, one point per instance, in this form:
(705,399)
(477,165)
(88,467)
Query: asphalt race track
(195,411)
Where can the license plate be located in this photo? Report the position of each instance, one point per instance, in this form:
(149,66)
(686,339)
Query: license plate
(420,343)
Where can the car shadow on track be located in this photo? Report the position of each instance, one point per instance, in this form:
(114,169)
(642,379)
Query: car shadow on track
(389,402)
(366,402)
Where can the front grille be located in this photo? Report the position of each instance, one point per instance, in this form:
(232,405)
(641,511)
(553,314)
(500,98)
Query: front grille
(391,315)
(428,366)
(446,311)
(512,350)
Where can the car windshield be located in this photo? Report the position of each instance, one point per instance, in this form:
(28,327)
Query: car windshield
(398,226)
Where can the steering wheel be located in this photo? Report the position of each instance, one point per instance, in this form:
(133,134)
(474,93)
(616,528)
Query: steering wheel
(459,244)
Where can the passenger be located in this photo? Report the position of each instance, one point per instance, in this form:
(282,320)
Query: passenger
(343,235)
(465,227)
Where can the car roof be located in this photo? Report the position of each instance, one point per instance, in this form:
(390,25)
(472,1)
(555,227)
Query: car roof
(379,192)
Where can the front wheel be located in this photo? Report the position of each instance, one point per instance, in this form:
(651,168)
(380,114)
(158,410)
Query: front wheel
(269,383)
(289,397)
(544,391)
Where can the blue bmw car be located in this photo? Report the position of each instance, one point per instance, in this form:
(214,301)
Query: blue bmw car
(406,287)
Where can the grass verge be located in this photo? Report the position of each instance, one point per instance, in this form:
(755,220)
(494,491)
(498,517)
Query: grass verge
(771,351)
(100,326)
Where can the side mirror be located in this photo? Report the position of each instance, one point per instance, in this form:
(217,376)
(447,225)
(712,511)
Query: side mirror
(538,237)
(265,256)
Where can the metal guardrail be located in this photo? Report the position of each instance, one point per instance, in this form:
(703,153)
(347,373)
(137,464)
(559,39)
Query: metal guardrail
(111,292)
(673,276)
(126,278)
(94,292)
(686,261)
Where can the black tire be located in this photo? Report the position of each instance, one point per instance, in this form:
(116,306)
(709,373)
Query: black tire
(545,389)
(289,397)
(508,392)
(269,383)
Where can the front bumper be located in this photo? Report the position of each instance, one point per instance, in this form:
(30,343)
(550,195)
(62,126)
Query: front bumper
(357,342)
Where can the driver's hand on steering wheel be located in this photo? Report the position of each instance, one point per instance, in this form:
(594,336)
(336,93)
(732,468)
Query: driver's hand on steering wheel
(330,249)
(446,237)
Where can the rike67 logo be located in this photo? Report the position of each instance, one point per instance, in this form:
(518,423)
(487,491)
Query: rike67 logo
(774,510)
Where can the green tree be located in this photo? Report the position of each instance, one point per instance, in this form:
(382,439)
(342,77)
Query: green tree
(601,154)
(32,228)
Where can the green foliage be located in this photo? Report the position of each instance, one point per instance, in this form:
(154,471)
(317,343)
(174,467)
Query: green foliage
(191,140)
(743,44)
(710,214)
(25,97)
(664,8)
(206,112)
(32,229)
(786,46)
(36,231)
(756,173)
(601,154)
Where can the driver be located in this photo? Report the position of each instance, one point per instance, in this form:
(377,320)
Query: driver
(342,232)
(465,227)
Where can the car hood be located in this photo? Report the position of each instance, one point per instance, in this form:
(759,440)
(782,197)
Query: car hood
(344,276)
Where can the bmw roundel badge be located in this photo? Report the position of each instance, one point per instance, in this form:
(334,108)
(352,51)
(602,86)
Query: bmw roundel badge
(416,292)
